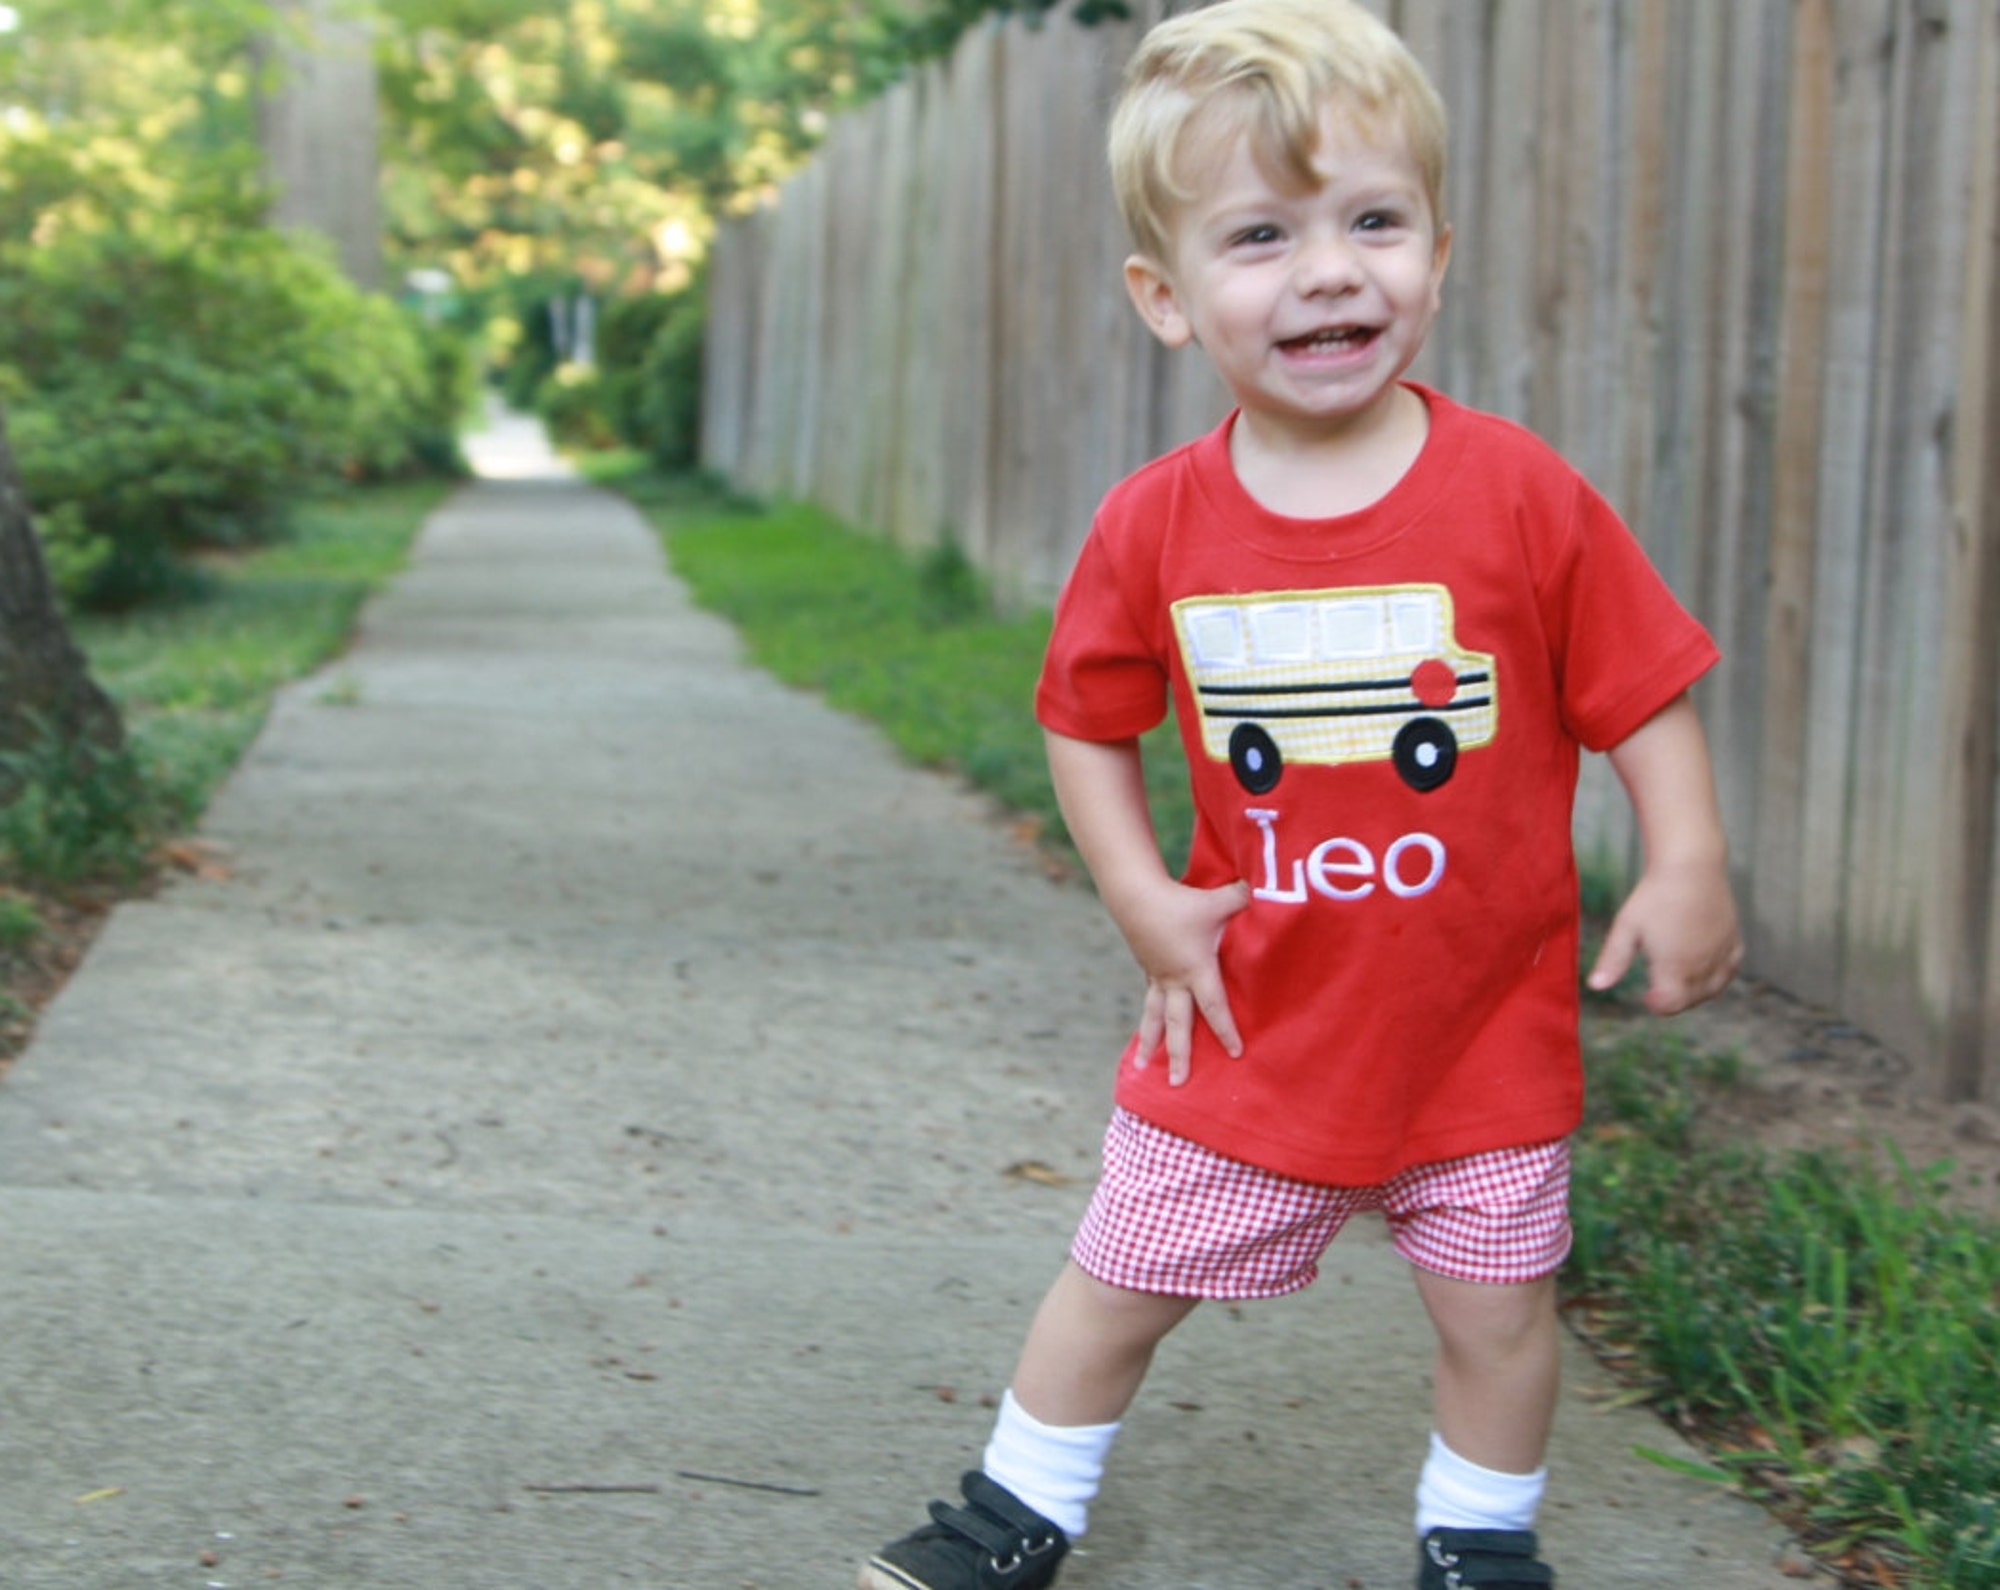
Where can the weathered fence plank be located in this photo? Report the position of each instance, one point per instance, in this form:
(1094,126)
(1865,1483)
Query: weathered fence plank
(1777,935)
(1966,950)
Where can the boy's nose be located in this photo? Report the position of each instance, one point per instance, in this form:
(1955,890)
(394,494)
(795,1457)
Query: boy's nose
(1327,265)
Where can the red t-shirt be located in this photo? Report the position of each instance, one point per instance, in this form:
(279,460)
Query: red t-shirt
(1382,713)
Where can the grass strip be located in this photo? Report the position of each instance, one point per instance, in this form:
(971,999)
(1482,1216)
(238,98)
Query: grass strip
(1828,1328)
(1826,1321)
(911,642)
(193,676)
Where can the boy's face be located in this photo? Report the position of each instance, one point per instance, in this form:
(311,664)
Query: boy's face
(1311,302)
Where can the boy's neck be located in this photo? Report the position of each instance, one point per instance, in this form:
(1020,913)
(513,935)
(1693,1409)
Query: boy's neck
(1313,474)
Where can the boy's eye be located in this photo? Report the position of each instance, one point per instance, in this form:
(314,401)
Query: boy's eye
(1379,221)
(1256,236)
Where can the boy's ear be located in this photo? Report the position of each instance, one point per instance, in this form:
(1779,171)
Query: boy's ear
(1440,262)
(1153,295)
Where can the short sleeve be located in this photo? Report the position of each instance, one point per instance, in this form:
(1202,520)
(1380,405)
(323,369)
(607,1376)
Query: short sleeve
(1103,676)
(1627,646)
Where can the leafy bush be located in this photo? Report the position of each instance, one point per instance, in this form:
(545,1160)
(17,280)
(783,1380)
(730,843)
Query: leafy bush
(20,924)
(669,417)
(79,812)
(451,382)
(623,342)
(644,390)
(528,354)
(571,404)
(170,386)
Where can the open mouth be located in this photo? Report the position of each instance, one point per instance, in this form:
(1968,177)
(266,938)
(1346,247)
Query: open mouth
(1332,339)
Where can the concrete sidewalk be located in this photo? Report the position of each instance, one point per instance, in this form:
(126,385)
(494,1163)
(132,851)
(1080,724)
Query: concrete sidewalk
(610,1128)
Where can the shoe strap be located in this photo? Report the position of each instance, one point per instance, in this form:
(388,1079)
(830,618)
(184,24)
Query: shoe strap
(1488,1559)
(988,1534)
(995,1500)
(997,1521)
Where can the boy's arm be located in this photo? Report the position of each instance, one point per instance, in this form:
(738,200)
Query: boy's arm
(1174,931)
(1680,915)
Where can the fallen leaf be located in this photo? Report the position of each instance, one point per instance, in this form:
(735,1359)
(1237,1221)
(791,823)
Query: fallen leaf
(1035,1171)
(199,858)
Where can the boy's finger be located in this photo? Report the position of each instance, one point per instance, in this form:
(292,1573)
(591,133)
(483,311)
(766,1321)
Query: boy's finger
(1221,1021)
(1682,988)
(1152,1026)
(1669,993)
(1613,961)
(1180,1035)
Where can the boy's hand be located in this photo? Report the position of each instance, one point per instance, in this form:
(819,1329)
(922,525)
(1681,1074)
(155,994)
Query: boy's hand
(1175,938)
(1683,921)
(1681,915)
(1174,931)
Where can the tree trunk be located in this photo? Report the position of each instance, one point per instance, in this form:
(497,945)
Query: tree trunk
(44,684)
(318,122)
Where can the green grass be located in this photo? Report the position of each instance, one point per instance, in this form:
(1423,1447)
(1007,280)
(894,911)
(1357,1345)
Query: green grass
(20,923)
(911,642)
(193,677)
(1828,1318)
(1831,1328)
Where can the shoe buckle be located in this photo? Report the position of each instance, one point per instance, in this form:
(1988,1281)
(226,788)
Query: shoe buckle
(1031,1546)
(1447,1560)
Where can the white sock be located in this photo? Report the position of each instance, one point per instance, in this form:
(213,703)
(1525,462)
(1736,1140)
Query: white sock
(1055,1469)
(1456,1494)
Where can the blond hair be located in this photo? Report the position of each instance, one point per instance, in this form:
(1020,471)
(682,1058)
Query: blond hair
(1272,68)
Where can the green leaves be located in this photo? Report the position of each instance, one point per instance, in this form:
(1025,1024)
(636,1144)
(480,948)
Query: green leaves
(169,391)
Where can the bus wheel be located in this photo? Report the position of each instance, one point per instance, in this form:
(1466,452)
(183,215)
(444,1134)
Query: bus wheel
(1254,756)
(1425,753)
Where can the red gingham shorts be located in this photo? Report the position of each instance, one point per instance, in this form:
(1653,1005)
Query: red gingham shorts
(1170,1216)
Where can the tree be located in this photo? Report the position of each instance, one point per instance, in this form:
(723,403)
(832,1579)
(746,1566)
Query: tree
(595,140)
(317,122)
(45,687)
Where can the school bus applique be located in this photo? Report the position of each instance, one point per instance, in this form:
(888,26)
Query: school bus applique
(1331,677)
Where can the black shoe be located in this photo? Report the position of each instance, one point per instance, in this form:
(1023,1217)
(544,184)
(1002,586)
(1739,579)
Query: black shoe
(1481,1559)
(996,1542)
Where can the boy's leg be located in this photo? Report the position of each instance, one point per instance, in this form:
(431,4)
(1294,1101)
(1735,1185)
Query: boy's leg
(1089,1348)
(1496,1368)
(1086,1354)
(1170,1220)
(1495,1397)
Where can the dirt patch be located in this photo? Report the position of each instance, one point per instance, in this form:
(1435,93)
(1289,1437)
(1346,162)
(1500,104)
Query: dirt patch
(1812,1079)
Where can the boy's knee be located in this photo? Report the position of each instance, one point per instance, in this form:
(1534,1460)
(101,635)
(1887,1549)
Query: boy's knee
(1130,1315)
(1481,1317)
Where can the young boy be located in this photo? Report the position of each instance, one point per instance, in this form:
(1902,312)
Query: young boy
(1386,625)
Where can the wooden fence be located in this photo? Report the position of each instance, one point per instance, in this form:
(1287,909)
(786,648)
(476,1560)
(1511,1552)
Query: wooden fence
(1737,258)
